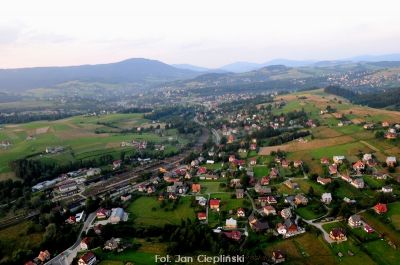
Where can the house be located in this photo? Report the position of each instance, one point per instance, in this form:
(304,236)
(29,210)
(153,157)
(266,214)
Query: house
(201,201)
(267,199)
(385,124)
(291,227)
(43,256)
(257,225)
(112,244)
(253,161)
(281,229)
(358,166)
(232,158)
(300,199)
(239,193)
(202,216)
(380,208)
(274,173)
(196,188)
(324,181)
(71,220)
(85,243)
(285,163)
(367,157)
(326,197)
(126,197)
(234,235)
(269,210)
(297,163)
(117,164)
(286,213)
(79,216)
(102,213)
(264,181)
(354,221)
(338,159)
(231,223)
(262,189)
(346,178)
(278,256)
(201,170)
(358,183)
(391,161)
(87,259)
(117,215)
(338,234)
(240,212)
(368,229)
(387,189)
(291,185)
(333,169)
(390,135)
(214,204)
(325,161)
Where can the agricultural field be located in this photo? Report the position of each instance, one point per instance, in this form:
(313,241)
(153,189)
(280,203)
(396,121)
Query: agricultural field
(210,186)
(82,138)
(304,249)
(394,214)
(147,211)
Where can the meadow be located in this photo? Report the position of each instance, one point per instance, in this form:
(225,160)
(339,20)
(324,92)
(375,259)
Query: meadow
(147,211)
(82,137)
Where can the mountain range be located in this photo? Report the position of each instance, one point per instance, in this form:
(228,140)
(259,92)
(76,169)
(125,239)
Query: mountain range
(144,73)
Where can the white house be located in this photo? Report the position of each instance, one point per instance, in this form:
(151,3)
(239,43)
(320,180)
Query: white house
(117,215)
(231,223)
(326,198)
(387,189)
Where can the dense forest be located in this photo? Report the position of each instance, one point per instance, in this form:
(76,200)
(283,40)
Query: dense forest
(389,98)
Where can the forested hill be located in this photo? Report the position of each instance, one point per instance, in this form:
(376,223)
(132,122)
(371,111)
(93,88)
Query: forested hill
(385,99)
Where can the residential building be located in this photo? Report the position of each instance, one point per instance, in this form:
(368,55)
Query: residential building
(354,221)
(326,197)
(117,215)
(380,208)
(338,234)
(87,259)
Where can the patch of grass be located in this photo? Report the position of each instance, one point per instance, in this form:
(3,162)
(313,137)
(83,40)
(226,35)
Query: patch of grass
(382,252)
(148,211)
(260,171)
(394,214)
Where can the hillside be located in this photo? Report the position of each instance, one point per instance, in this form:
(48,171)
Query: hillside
(138,70)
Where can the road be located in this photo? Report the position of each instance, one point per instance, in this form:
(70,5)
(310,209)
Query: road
(217,137)
(67,256)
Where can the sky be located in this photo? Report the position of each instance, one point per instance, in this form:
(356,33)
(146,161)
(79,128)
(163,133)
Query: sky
(208,33)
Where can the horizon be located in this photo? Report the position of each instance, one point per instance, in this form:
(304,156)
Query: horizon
(203,33)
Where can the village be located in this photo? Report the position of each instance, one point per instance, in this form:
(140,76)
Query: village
(249,182)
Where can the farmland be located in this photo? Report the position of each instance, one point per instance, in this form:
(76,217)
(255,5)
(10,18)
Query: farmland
(82,138)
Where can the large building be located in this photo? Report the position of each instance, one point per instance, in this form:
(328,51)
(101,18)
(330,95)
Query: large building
(117,215)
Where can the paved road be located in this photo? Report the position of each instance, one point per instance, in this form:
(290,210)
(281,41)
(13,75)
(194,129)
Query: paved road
(67,256)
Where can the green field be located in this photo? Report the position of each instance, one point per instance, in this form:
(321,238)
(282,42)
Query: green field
(381,251)
(210,186)
(260,171)
(394,214)
(308,212)
(147,211)
(79,138)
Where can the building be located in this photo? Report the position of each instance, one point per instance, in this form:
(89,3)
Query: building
(338,234)
(269,210)
(234,235)
(300,199)
(325,161)
(278,256)
(102,213)
(112,244)
(326,197)
(338,159)
(85,243)
(391,161)
(87,259)
(286,213)
(240,212)
(387,189)
(117,215)
(264,181)
(380,208)
(291,185)
(358,166)
(358,183)
(214,204)
(202,216)
(43,256)
(239,193)
(324,181)
(354,221)
(68,188)
(231,223)
(196,188)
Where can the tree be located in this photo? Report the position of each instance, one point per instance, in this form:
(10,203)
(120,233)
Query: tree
(50,233)
(310,191)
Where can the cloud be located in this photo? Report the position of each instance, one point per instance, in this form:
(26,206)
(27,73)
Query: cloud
(9,35)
